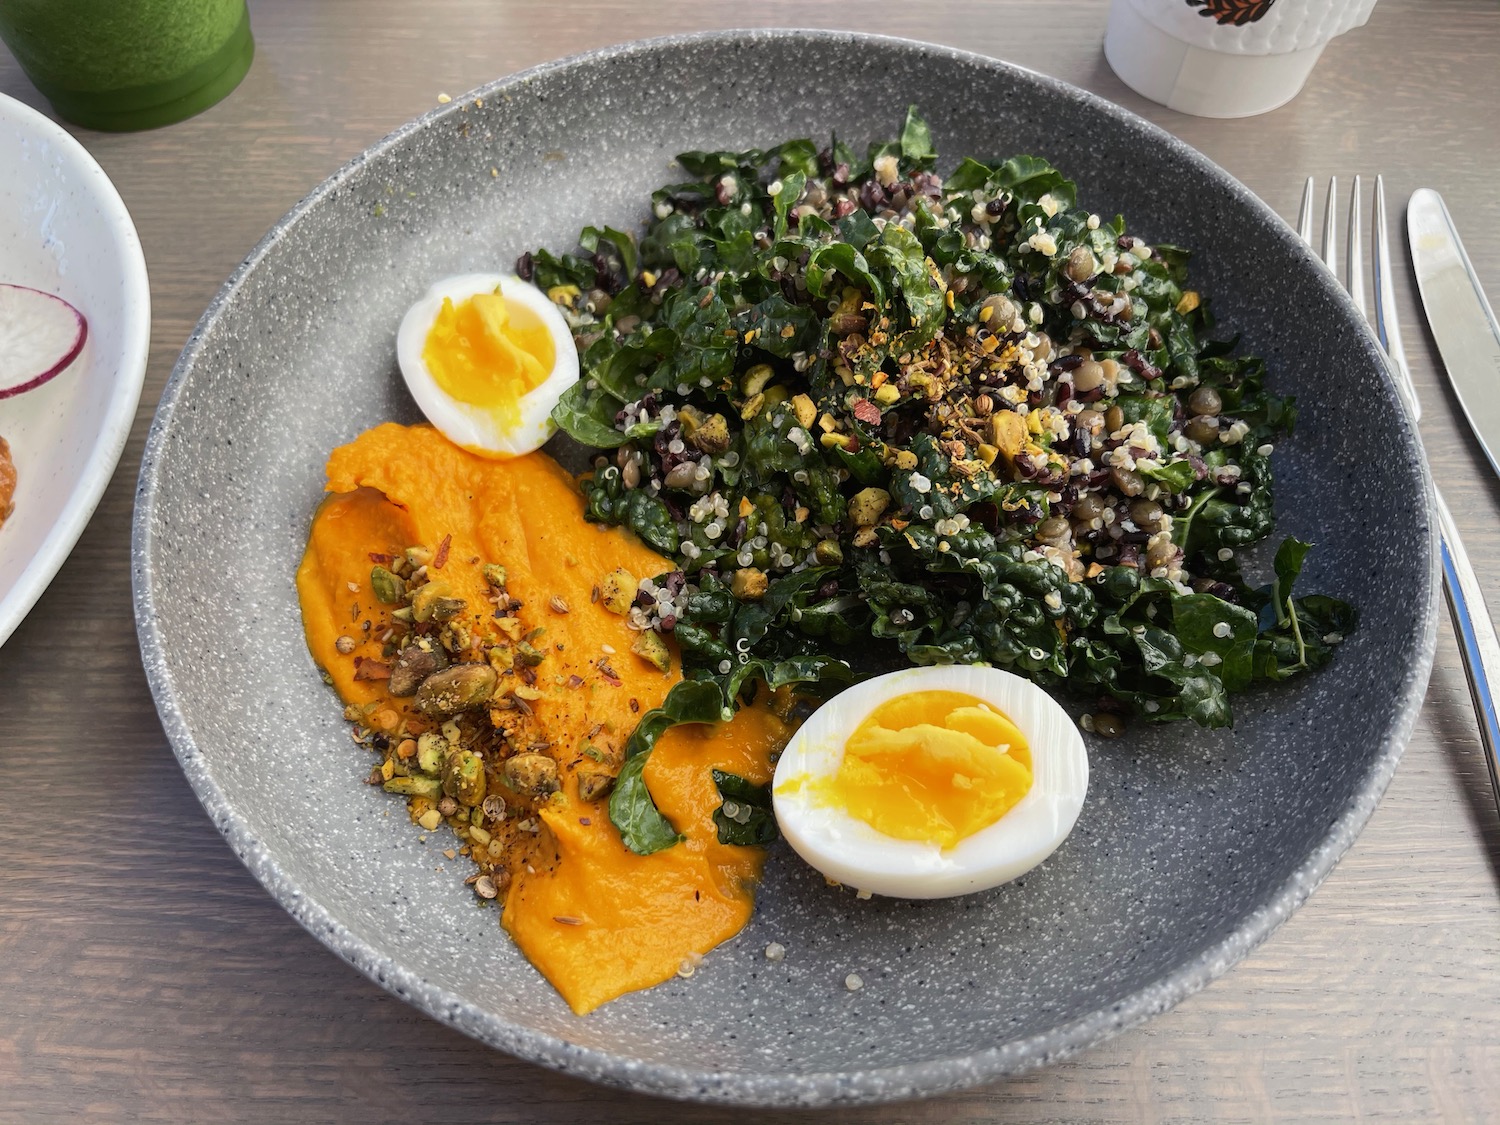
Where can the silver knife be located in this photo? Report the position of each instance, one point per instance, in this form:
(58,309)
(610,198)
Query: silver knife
(1463,324)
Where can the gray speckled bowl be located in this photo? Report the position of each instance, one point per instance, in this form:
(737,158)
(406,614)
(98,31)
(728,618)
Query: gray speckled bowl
(1192,847)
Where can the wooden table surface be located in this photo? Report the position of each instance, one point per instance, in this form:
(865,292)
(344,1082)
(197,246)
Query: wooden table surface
(144,975)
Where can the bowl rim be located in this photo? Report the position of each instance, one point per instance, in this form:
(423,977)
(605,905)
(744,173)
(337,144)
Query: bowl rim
(130,376)
(859,1086)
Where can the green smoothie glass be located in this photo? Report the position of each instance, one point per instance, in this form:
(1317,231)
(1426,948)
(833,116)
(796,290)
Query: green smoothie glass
(129,64)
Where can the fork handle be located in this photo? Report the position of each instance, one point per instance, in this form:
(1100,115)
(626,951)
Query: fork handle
(1476,637)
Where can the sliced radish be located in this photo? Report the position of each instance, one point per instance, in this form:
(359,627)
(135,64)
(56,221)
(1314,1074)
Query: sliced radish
(39,336)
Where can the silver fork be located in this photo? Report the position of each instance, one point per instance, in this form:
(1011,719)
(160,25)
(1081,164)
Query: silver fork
(1471,619)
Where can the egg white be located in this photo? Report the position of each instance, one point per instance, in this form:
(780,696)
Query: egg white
(474,427)
(851,852)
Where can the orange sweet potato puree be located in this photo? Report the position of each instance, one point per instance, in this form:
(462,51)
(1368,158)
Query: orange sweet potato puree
(640,917)
(593,917)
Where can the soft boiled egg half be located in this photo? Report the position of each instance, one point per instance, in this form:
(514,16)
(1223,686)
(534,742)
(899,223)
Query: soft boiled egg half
(487,356)
(932,782)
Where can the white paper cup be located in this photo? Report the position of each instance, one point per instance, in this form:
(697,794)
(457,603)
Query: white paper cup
(1223,58)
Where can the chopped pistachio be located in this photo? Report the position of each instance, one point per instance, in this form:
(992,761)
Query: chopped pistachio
(435,602)
(495,575)
(650,647)
(415,787)
(753,381)
(713,435)
(432,751)
(805,410)
(1007,432)
(617,591)
(414,664)
(749,584)
(388,587)
(533,775)
(457,689)
(689,418)
(867,506)
(594,785)
(463,777)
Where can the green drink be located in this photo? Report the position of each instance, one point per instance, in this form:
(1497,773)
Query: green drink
(129,64)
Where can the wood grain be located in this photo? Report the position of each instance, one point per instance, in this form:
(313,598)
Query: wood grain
(145,976)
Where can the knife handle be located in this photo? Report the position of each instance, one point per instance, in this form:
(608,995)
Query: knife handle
(1476,637)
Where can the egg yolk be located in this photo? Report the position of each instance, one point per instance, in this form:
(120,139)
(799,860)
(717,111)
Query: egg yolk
(933,766)
(489,352)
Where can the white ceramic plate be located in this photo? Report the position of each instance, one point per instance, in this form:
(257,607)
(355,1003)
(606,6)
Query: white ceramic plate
(64,230)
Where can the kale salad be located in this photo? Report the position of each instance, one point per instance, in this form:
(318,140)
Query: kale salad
(880,416)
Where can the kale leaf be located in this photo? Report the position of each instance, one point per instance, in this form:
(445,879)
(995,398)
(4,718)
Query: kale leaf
(744,816)
(853,464)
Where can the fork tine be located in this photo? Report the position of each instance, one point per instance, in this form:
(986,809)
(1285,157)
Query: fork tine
(1330,223)
(1384,297)
(1305,213)
(1387,327)
(1355,275)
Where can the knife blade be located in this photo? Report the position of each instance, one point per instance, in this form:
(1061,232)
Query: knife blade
(1463,324)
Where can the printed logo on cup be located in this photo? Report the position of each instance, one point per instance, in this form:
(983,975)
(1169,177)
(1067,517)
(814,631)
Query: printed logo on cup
(1234,12)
